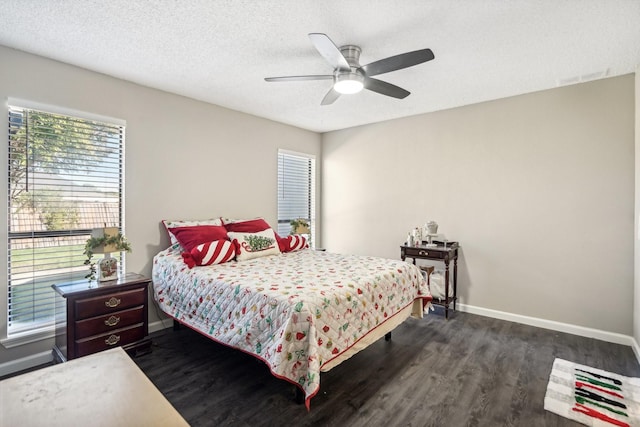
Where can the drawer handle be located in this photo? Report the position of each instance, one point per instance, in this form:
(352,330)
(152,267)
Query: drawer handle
(113,302)
(424,253)
(112,321)
(112,340)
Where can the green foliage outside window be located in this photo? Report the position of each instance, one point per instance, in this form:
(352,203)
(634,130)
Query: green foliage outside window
(57,165)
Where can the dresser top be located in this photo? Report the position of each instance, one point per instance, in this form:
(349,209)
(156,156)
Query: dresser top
(102,389)
(84,285)
(440,246)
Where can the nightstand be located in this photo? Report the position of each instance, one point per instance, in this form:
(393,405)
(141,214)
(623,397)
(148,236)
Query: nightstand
(440,252)
(94,316)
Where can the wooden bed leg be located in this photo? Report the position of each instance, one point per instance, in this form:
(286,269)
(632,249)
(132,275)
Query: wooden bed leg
(176,325)
(299,395)
(387,336)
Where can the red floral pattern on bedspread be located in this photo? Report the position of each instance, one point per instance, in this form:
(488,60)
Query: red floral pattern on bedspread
(295,311)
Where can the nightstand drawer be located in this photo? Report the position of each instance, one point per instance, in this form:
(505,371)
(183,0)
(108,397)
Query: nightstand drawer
(90,307)
(424,252)
(109,322)
(119,337)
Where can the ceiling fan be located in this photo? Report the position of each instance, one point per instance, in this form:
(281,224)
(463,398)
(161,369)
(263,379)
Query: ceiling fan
(351,77)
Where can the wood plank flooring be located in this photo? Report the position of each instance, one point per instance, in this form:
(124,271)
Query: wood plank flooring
(468,371)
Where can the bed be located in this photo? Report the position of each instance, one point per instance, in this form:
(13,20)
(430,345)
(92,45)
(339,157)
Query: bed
(301,312)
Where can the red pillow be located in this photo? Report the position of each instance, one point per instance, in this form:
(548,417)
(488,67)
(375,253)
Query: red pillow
(190,237)
(248,226)
(210,253)
(283,243)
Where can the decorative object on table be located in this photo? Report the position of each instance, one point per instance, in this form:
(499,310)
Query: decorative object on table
(104,241)
(300,226)
(431,231)
(409,241)
(592,396)
(417,236)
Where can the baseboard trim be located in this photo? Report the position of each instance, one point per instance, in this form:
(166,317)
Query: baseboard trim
(636,349)
(26,362)
(159,325)
(582,331)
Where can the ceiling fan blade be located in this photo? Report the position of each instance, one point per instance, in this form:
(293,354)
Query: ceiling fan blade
(385,88)
(397,62)
(330,97)
(298,78)
(329,51)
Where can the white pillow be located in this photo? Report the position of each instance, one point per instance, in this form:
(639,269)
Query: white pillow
(254,245)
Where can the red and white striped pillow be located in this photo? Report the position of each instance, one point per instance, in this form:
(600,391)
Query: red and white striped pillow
(216,252)
(296,242)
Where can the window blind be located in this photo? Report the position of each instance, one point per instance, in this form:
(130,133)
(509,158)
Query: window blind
(296,195)
(65,177)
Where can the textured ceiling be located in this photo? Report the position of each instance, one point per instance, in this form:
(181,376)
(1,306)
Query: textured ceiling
(219,51)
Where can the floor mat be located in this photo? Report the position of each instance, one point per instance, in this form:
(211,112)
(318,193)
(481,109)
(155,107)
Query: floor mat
(592,396)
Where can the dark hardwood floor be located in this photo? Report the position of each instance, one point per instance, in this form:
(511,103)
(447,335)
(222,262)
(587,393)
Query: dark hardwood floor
(468,371)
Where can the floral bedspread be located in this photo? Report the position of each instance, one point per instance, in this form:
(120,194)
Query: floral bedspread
(295,311)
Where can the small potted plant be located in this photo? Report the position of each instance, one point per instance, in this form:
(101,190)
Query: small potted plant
(108,240)
(299,226)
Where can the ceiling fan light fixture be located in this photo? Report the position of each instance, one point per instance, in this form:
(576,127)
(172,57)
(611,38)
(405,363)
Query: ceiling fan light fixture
(350,77)
(348,83)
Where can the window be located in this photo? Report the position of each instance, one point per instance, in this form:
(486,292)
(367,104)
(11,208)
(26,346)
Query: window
(296,190)
(65,177)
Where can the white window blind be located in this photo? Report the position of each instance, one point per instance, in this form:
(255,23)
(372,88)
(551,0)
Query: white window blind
(296,195)
(65,177)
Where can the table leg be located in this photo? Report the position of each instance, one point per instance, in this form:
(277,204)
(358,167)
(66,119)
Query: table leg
(455,281)
(446,289)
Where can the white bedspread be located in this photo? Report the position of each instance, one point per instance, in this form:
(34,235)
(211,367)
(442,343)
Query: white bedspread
(295,311)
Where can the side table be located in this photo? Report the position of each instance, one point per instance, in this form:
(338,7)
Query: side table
(440,252)
(94,316)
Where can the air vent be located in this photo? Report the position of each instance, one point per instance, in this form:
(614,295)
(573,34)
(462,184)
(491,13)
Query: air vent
(583,78)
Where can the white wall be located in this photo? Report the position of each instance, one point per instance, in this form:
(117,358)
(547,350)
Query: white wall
(538,189)
(184,159)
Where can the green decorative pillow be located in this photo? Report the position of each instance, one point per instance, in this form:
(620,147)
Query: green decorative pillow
(254,245)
